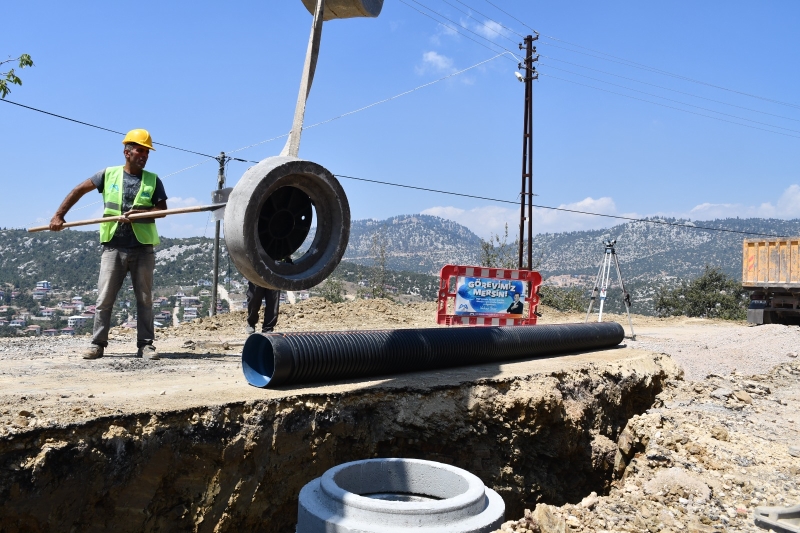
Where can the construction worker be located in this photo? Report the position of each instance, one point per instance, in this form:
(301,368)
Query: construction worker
(128,244)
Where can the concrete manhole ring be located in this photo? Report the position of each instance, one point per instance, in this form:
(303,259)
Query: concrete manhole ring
(396,495)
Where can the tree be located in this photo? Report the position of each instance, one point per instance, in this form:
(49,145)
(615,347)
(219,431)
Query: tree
(332,290)
(378,252)
(714,294)
(571,299)
(10,78)
(499,254)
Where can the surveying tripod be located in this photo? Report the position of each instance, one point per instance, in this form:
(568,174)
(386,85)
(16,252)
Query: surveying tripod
(602,282)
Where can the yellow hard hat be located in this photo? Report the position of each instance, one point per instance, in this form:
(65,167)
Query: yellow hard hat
(140,137)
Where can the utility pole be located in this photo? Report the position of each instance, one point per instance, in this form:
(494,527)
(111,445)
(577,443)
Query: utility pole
(526,193)
(222,159)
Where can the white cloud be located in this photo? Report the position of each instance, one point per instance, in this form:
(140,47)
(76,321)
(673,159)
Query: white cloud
(488,220)
(435,62)
(177,201)
(787,206)
(442,30)
(490,29)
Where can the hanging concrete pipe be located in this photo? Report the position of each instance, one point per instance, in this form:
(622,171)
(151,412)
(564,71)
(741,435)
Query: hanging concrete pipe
(274,360)
(269,214)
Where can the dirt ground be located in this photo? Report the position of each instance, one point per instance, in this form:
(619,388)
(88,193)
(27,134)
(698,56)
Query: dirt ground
(716,444)
(46,378)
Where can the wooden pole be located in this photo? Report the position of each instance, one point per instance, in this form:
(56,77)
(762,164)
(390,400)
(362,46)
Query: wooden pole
(136,216)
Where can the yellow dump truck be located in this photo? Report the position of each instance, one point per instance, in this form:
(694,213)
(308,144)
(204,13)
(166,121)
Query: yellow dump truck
(771,272)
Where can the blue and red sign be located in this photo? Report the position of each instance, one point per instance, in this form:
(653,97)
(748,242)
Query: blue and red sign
(489,297)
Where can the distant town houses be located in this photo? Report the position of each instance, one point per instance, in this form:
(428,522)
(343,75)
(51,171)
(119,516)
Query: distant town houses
(77,321)
(203,283)
(50,332)
(33,329)
(43,286)
(190,300)
(189,313)
(68,332)
(204,292)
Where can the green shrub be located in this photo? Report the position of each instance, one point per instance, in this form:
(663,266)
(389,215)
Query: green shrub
(712,295)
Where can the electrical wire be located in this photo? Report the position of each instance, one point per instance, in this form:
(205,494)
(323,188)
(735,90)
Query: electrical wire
(678,76)
(665,88)
(514,202)
(456,30)
(490,19)
(674,101)
(669,106)
(483,23)
(635,64)
(404,93)
(632,63)
(99,127)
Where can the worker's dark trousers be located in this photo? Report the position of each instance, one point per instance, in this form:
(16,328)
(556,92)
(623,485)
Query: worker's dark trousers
(272,300)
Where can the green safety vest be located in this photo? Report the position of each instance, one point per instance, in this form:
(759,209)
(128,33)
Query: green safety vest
(144,229)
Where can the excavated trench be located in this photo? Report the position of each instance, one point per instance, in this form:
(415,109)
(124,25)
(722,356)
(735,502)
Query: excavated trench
(548,437)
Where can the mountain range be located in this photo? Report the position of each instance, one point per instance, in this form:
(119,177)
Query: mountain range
(651,252)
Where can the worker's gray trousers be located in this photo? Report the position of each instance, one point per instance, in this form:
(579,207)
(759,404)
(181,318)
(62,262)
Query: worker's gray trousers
(114,267)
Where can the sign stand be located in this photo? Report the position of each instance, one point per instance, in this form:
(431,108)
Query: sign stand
(485,296)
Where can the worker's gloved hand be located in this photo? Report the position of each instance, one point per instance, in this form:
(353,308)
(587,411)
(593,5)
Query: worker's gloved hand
(57,223)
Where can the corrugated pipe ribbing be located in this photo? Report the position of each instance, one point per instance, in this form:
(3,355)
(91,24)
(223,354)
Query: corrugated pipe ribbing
(277,359)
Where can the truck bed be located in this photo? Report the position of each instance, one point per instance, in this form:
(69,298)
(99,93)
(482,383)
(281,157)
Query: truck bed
(771,263)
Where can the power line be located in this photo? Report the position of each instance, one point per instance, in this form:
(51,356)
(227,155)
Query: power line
(665,88)
(675,101)
(483,23)
(634,64)
(490,19)
(514,202)
(404,93)
(669,106)
(100,127)
(456,29)
(678,76)
(305,128)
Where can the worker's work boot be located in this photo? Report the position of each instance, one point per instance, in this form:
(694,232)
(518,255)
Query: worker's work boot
(148,352)
(249,329)
(94,351)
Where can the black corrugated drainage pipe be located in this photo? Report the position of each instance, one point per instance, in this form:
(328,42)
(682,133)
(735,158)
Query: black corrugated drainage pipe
(277,359)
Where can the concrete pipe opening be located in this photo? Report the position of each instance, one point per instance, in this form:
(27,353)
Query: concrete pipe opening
(396,495)
(270,213)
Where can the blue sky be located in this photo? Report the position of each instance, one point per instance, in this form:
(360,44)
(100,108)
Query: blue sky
(220,76)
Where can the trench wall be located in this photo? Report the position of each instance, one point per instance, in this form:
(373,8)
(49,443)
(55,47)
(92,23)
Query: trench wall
(240,467)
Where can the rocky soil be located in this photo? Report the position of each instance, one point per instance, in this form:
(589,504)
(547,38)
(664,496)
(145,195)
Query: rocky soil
(701,460)
(688,428)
